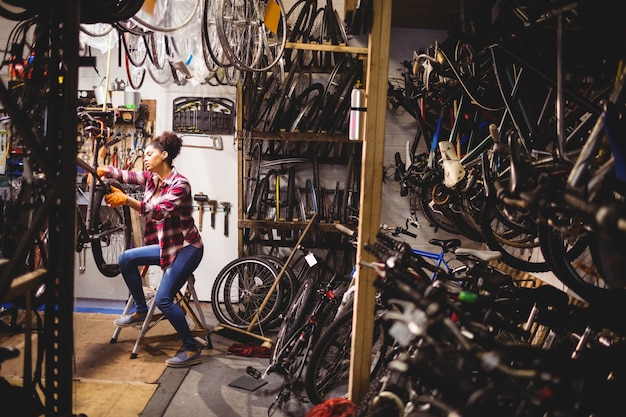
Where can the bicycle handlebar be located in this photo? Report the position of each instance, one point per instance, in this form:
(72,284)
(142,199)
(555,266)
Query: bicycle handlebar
(396,230)
(345,230)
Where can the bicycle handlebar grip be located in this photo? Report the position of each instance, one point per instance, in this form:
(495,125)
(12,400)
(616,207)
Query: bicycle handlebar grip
(493,131)
(345,230)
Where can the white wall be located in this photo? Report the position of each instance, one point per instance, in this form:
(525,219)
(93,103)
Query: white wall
(210,171)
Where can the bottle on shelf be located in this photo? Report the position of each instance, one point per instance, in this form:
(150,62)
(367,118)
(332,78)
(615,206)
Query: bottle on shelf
(357,112)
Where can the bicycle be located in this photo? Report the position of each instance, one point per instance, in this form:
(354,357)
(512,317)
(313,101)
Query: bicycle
(313,306)
(327,370)
(107,230)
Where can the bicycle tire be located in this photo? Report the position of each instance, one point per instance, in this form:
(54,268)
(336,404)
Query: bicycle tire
(239,290)
(136,48)
(436,209)
(298,18)
(11,11)
(313,34)
(576,268)
(136,75)
(291,193)
(19,238)
(327,371)
(161,76)
(519,246)
(295,317)
(245,38)
(171,18)
(112,231)
(293,353)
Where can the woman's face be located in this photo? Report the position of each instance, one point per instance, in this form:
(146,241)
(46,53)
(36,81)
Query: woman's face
(153,158)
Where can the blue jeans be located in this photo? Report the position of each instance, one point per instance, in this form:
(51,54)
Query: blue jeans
(174,277)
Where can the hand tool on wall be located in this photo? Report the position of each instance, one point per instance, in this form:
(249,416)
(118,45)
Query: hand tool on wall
(226,206)
(213,210)
(200,198)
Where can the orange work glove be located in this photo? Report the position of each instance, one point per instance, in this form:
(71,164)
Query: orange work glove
(102,172)
(116,197)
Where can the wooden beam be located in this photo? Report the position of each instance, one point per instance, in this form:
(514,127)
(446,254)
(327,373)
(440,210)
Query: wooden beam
(371,195)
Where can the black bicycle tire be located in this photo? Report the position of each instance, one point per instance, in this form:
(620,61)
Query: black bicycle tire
(26,14)
(291,193)
(425,196)
(304,10)
(313,92)
(129,47)
(494,243)
(228,312)
(345,197)
(313,34)
(116,218)
(339,335)
(206,38)
(129,68)
(253,176)
(153,45)
(295,317)
(561,261)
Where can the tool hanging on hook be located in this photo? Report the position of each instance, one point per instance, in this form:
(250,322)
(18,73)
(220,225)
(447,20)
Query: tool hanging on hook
(200,198)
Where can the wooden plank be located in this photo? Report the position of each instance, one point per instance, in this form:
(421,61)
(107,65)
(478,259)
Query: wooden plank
(327,47)
(371,195)
(152,111)
(22,285)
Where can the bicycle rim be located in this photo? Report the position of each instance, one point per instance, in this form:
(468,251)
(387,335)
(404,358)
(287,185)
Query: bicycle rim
(167,17)
(239,290)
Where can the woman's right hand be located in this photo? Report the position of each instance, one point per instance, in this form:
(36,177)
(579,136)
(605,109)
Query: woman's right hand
(103,171)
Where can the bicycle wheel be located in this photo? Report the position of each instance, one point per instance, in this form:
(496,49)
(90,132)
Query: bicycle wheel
(167,15)
(433,201)
(136,48)
(239,290)
(242,27)
(573,262)
(295,317)
(288,288)
(136,75)
(112,232)
(10,10)
(513,234)
(327,372)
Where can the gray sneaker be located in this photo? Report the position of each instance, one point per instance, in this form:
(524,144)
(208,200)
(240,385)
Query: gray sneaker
(181,360)
(130,319)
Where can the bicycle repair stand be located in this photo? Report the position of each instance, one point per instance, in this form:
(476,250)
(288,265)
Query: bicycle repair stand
(201,331)
(248,336)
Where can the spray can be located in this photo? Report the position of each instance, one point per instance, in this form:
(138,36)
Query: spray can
(357,112)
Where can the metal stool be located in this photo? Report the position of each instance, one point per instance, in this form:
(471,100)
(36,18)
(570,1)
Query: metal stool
(201,332)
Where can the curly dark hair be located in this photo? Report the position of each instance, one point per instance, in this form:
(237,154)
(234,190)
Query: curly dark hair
(170,142)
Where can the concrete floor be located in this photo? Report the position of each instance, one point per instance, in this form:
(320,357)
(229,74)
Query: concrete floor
(108,383)
(205,389)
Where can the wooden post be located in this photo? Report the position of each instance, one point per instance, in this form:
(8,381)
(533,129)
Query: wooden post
(371,195)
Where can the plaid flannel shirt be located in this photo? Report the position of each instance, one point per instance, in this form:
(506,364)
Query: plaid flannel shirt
(168,217)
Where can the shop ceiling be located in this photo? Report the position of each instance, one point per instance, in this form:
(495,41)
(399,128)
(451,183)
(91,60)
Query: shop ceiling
(431,14)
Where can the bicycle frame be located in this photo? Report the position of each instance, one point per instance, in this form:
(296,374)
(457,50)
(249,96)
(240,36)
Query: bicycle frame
(439,259)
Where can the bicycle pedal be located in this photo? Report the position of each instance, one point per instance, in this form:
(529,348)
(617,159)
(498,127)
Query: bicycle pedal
(253,372)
